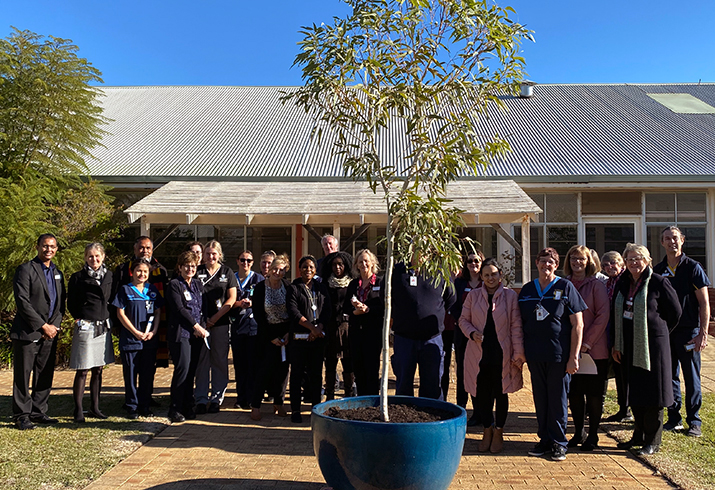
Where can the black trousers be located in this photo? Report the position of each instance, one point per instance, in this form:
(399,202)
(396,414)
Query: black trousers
(270,375)
(648,423)
(306,357)
(38,359)
(586,397)
(365,351)
(185,355)
(138,369)
(489,394)
(243,348)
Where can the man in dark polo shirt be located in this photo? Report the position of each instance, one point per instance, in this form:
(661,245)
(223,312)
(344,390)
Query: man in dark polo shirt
(690,337)
(418,308)
(39,289)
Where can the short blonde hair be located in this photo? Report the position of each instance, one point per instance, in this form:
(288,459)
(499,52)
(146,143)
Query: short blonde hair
(279,260)
(591,267)
(373,259)
(613,256)
(637,249)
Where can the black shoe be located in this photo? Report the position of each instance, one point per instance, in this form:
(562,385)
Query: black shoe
(146,413)
(296,418)
(132,415)
(78,416)
(629,444)
(214,408)
(200,409)
(589,445)
(694,431)
(154,403)
(558,453)
(42,419)
(96,414)
(673,426)
(648,450)
(190,415)
(577,440)
(616,417)
(176,417)
(24,424)
(540,449)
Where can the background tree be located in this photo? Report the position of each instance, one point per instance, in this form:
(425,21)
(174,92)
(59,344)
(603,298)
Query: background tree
(424,71)
(50,119)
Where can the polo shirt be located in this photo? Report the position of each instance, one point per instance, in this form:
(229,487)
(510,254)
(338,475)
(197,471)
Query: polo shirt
(549,340)
(689,277)
(134,303)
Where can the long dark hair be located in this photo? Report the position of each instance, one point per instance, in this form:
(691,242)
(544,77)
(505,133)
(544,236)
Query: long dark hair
(465,269)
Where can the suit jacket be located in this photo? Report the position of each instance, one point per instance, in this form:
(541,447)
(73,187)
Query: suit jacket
(33,301)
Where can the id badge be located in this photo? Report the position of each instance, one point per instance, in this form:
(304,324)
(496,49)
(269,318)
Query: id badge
(413,281)
(628,315)
(541,313)
(150,307)
(83,325)
(187,295)
(314,307)
(557,294)
(58,277)
(218,304)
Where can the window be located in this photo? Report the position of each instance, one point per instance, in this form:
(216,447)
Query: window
(686,210)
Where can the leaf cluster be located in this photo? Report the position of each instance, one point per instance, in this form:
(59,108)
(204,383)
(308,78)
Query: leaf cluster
(414,76)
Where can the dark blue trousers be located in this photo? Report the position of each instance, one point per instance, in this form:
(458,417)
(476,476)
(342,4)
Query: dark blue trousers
(138,369)
(428,355)
(690,363)
(550,386)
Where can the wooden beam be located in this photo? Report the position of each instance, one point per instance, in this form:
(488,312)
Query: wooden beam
(348,243)
(312,232)
(506,236)
(167,233)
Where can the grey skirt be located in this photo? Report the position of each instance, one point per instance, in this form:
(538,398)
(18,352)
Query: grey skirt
(88,350)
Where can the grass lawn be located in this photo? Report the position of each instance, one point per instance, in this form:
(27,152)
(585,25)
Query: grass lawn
(687,461)
(68,455)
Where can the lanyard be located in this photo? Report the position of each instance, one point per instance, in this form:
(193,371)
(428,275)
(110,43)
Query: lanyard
(244,283)
(311,297)
(538,287)
(143,296)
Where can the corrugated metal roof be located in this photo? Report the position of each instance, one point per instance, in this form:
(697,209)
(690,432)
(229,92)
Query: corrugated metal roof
(564,132)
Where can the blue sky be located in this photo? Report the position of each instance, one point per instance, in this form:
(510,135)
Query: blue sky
(247,42)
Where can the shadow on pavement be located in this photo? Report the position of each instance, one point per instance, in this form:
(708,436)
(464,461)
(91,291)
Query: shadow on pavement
(238,484)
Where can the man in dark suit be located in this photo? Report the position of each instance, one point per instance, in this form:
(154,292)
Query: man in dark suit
(39,289)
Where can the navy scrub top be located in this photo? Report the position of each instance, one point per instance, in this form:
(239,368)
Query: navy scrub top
(134,303)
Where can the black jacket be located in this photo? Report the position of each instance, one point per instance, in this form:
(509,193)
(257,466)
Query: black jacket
(370,322)
(299,304)
(86,299)
(33,301)
(178,313)
(267,331)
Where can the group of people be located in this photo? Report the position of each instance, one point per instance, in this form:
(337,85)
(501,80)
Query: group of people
(618,314)
(645,321)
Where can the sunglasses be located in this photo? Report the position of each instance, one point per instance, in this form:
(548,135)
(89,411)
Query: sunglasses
(474,261)
(245,261)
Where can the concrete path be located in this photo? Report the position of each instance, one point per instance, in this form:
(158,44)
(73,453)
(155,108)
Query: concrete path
(229,451)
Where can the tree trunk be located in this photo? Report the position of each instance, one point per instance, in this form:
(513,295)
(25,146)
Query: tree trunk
(387,284)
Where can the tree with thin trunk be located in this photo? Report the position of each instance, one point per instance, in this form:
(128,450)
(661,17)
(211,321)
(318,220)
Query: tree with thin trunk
(413,75)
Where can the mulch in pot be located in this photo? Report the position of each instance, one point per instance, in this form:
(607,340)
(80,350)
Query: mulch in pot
(399,414)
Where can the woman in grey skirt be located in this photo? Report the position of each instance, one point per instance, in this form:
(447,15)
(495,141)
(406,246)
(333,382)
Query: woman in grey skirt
(88,296)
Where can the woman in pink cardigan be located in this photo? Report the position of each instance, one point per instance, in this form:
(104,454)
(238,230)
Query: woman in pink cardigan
(495,352)
(586,390)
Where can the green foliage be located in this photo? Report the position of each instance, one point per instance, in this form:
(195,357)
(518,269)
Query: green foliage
(423,70)
(49,117)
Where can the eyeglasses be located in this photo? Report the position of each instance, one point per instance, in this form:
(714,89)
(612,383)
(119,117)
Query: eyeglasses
(474,261)
(189,266)
(578,259)
(245,261)
(635,260)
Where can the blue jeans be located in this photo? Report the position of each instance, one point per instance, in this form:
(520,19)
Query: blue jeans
(429,355)
(690,363)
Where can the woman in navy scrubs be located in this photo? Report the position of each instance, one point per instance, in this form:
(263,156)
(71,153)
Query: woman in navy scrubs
(187,333)
(138,309)
(553,327)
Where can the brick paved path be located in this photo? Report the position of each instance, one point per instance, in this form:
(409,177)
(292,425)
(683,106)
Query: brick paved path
(229,451)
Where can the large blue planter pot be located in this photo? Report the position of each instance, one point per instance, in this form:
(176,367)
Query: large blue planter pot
(369,455)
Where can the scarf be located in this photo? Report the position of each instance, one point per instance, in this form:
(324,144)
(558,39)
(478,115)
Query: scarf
(339,282)
(98,274)
(641,352)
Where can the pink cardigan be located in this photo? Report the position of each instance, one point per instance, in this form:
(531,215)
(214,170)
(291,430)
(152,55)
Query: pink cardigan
(507,320)
(595,318)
